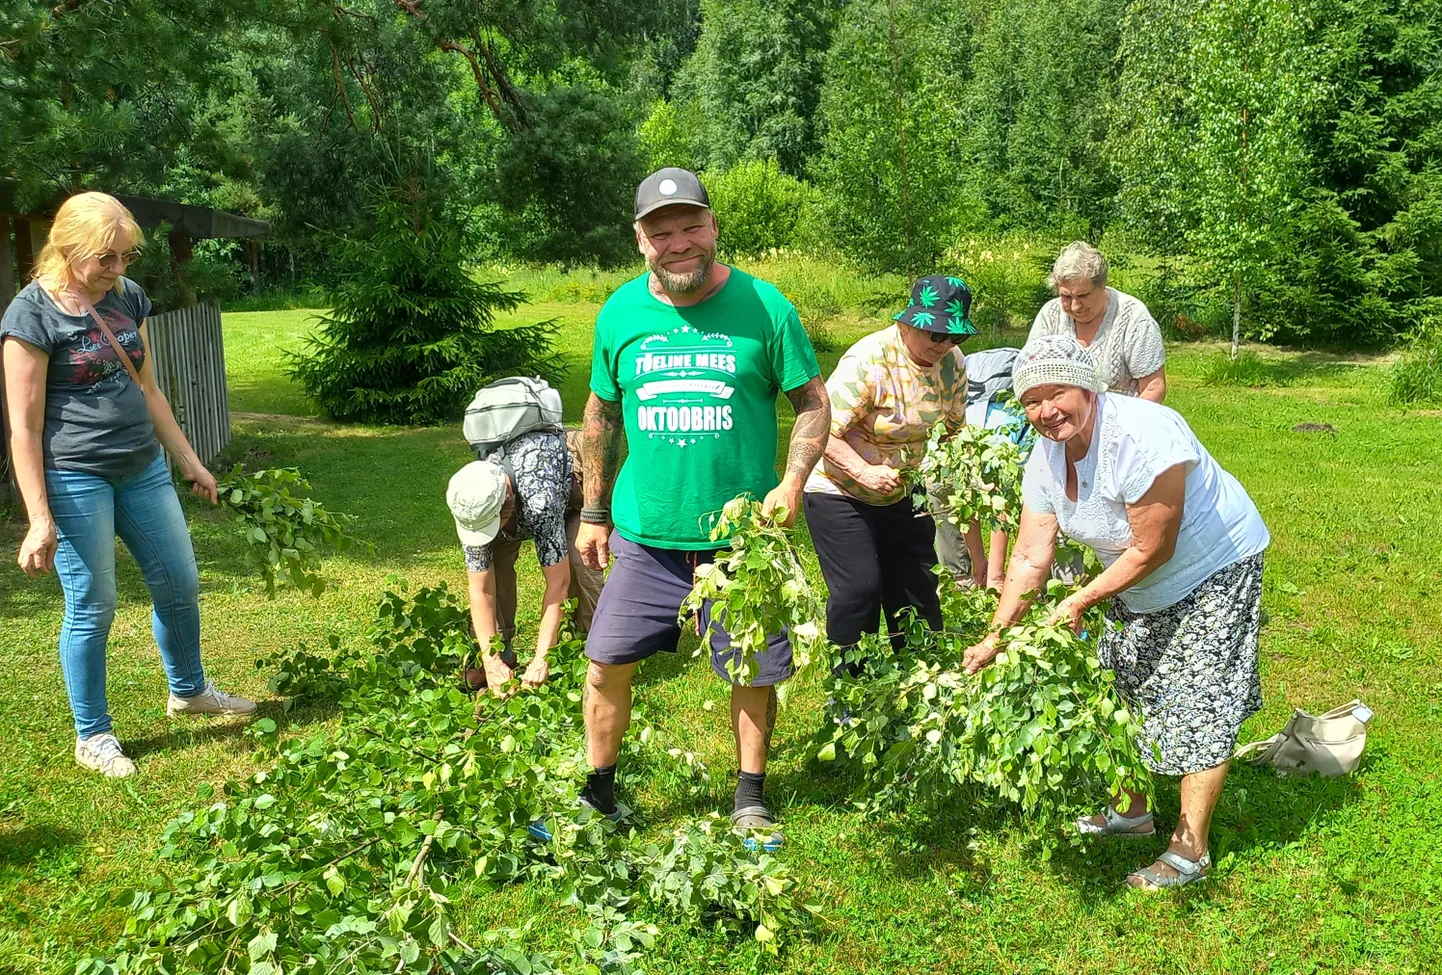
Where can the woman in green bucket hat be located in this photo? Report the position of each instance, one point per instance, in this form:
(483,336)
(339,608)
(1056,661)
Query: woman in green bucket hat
(887,392)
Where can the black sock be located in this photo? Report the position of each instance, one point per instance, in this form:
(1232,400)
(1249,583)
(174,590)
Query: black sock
(600,789)
(748,790)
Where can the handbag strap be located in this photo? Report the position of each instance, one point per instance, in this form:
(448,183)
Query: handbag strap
(1256,746)
(110,337)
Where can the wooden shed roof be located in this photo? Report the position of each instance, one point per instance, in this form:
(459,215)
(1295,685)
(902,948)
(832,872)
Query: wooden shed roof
(196,222)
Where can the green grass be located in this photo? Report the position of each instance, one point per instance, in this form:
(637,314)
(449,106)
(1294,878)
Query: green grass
(1312,876)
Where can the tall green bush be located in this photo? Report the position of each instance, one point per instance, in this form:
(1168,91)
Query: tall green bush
(751,88)
(890,173)
(1239,159)
(757,206)
(664,139)
(1417,378)
(1035,112)
(1290,153)
(208,276)
(410,333)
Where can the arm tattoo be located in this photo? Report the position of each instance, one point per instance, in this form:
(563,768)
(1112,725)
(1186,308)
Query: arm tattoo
(813,426)
(602,433)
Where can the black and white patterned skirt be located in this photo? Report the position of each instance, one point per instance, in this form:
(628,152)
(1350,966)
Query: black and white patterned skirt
(1191,670)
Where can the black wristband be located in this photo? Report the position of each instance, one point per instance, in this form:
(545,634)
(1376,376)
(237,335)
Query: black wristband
(595,516)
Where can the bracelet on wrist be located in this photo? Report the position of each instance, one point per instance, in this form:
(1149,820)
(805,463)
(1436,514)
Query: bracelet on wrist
(596,516)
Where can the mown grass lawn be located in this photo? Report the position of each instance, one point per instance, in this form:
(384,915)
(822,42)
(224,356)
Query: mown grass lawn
(1312,876)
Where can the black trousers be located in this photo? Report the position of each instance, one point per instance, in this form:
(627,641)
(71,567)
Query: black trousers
(874,558)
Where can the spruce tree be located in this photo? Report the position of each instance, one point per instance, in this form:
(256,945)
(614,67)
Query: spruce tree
(410,334)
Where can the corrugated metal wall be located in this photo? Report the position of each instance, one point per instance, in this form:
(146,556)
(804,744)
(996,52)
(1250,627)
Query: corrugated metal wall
(189,359)
(190,370)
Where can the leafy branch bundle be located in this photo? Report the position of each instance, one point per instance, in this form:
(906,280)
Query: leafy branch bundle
(346,854)
(1042,726)
(971,475)
(758,587)
(285,534)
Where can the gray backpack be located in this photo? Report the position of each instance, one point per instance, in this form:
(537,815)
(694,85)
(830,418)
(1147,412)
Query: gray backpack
(988,372)
(507,408)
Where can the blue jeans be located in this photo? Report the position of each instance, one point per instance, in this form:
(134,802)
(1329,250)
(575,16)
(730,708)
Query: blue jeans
(89,511)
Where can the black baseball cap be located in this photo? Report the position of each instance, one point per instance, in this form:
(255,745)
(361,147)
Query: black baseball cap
(669,186)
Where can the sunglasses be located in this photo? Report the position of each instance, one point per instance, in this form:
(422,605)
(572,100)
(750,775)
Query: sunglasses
(111,258)
(947,338)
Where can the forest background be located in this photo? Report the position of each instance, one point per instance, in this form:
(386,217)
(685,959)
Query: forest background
(1269,162)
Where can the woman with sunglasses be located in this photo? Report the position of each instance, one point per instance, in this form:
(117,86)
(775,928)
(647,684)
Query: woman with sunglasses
(887,392)
(86,433)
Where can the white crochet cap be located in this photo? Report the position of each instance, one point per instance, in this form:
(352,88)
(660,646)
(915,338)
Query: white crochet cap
(1054,359)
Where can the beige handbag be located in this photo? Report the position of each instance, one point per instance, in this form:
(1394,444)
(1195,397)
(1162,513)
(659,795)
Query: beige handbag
(1328,744)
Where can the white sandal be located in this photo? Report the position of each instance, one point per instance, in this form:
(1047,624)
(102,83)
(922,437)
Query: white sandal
(1115,824)
(1188,872)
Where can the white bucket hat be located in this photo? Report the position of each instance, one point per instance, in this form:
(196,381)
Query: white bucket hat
(1054,359)
(475,496)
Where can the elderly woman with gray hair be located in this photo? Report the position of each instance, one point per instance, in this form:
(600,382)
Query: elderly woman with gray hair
(1182,544)
(1123,338)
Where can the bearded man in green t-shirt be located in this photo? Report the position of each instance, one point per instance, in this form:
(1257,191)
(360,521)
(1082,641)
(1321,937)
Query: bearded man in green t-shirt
(688,361)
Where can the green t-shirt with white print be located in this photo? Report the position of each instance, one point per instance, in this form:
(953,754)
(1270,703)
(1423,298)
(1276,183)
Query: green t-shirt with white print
(697,387)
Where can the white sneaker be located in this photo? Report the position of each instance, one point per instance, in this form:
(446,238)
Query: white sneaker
(212,700)
(102,753)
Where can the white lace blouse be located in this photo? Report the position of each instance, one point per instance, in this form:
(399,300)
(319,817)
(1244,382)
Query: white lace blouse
(1128,343)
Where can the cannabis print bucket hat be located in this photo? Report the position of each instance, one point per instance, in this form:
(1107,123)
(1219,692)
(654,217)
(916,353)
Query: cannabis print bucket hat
(939,304)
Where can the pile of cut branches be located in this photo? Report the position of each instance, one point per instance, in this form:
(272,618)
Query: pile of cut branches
(346,853)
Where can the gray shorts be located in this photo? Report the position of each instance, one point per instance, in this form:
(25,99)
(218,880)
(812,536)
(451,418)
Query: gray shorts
(636,614)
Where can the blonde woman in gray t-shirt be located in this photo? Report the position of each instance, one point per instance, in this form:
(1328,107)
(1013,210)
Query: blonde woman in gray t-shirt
(1115,328)
(87,429)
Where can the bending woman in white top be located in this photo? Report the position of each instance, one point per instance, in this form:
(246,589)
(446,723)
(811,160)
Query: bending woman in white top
(1182,544)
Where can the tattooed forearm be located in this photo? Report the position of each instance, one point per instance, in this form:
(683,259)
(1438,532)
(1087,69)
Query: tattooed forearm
(813,424)
(602,433)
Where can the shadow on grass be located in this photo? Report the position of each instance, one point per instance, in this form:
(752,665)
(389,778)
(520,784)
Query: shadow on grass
(31,843)
(27,599)
(186,732)
(393,478)
(939,841)
(22,598)
(269,395)
(1257,812)
(1255,371)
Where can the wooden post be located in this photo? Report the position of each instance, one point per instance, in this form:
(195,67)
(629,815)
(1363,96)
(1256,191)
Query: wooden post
(7,291)
(24,251)
(252,253)
(7,263)
(182,249)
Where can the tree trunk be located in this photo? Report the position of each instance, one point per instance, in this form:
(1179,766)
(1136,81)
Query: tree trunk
(24,252)
(1236,314)
(7,263)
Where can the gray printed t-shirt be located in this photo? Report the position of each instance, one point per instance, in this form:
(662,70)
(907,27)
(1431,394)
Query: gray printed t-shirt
(96,420)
